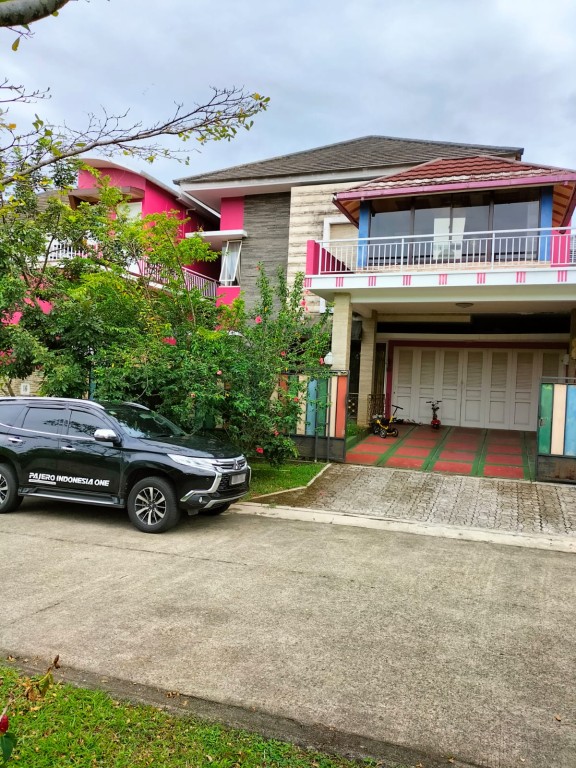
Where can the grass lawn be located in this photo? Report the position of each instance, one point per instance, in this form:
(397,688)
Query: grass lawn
(267,479)
(89,729)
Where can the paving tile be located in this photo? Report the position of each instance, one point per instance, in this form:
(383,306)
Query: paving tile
(503,448)
(403,462)
(504,458)
(362,458)
(514,473)
(458,467)
(378,448)
(411,450)
(457,455)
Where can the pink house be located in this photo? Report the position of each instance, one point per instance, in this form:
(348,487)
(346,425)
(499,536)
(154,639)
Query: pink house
(146,195)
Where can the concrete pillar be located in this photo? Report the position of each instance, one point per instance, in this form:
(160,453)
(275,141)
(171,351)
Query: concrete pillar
(341,332)
(367,357)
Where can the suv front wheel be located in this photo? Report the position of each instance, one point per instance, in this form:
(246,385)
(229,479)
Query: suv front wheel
(152,505)
(9,499)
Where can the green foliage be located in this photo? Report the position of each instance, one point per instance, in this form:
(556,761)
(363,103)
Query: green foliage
(91,329)
(79,727)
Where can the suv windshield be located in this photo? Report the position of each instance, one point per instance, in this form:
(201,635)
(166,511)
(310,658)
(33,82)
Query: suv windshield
(138,422)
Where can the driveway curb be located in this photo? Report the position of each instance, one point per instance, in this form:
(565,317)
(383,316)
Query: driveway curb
(307,735)
(551,542)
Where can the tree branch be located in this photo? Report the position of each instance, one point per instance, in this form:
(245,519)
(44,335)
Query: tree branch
(16,13)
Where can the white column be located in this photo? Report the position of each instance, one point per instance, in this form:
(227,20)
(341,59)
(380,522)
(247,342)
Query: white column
(341,332)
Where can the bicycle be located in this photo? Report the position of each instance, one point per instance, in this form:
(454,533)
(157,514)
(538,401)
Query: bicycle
(383,426)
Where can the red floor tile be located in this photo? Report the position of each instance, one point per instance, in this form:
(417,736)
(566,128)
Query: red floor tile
(458,455)
(503,448)
(458,467)
(514,473)
(412,450)
(362,458)
(456,446)
(508,459)
(403,462)
(420,441)
(375,449)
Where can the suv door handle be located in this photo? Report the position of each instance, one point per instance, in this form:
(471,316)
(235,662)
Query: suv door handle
(14,440)
(68,448)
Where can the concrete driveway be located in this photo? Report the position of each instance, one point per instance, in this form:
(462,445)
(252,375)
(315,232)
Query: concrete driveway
(388,640)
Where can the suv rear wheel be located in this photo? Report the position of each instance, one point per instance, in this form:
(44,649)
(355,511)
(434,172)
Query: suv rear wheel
(9,499)
(152,505)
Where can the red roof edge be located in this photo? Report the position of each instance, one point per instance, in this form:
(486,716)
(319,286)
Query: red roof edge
(533,181)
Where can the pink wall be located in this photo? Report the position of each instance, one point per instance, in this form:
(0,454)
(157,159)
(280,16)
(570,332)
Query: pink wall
(118,178)
(227,294)
(232,213)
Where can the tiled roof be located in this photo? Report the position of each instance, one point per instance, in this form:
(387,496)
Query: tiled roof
(354,155)
(454,172)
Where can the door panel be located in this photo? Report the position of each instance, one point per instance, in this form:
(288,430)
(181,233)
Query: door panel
(472,413)
(484,388)
(450,386)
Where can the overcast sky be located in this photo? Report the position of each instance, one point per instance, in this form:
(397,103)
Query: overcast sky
(478,71)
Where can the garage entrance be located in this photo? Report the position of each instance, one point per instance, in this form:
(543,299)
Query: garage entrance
(489,388)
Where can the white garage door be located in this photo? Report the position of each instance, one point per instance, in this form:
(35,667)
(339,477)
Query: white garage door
(495,388)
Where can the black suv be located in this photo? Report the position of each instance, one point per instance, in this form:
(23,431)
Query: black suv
(115,455)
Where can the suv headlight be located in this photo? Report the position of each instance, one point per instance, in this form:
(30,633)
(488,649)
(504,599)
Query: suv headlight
(192,461)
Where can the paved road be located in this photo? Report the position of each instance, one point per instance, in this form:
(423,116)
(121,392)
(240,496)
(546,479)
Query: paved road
(450,647)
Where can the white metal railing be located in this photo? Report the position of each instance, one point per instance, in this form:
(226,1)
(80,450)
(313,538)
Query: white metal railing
(206,285)
(485,250)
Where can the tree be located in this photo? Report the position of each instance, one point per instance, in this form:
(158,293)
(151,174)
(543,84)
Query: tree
(14,13)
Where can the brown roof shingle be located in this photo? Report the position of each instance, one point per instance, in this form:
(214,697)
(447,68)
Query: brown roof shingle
(357,154)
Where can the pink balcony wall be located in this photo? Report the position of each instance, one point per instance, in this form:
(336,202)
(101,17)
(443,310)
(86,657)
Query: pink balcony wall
(227,294)
(232,213)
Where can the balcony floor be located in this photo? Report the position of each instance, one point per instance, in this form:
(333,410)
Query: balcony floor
(454,450)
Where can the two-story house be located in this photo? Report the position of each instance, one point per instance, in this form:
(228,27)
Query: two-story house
(464,275)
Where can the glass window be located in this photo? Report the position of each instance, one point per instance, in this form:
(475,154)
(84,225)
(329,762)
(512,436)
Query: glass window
(9,413)
(515,212)
(140,422)
(83,424)
(230,268)
(391,223)
(45,420)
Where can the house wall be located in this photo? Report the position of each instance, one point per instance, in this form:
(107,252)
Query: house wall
(232,213)
(267,221)
(309,207)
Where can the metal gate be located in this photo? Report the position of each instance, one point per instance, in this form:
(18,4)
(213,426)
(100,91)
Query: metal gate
(321,430)
(556,433)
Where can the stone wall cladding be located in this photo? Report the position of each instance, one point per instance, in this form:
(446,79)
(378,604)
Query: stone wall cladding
(14,388)
(267,221)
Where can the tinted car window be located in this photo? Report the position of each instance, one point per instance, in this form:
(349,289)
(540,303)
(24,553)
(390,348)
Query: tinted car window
(138,422)
(45,420)
(9,412)
(84,424)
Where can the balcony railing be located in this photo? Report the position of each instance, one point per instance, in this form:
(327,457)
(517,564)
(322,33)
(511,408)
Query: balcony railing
(193,280)
(485,250)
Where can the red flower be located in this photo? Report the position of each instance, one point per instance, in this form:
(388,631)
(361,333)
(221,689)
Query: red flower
(321,361)
(258,319)
(295,399)
(4,724)
(276,433)
(218,373)
(303,302)
(259,450)
(283,354)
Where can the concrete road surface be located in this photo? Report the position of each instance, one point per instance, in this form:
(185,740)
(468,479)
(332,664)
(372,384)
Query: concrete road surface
(450,648)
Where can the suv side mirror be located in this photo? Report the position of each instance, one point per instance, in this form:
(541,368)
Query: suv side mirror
(106,436)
